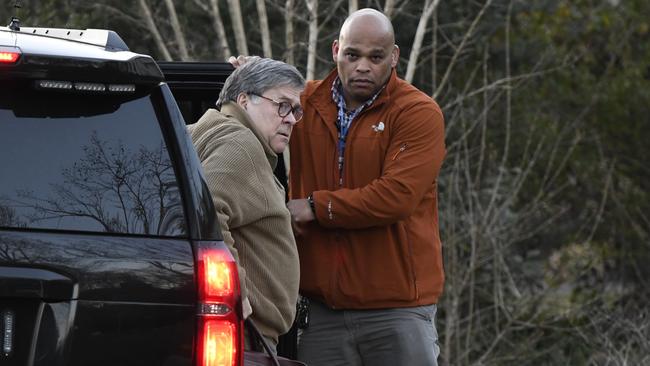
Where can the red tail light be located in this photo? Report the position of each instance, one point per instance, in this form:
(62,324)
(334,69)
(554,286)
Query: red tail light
(9,55)
(218,346)
(216,274)
(220,327)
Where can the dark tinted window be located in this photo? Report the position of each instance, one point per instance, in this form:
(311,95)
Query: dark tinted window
(73,162)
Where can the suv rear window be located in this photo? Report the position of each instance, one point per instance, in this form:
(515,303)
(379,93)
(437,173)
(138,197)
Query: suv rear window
(89,163)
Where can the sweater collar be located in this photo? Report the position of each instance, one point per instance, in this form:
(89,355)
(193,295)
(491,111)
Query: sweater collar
(238,114)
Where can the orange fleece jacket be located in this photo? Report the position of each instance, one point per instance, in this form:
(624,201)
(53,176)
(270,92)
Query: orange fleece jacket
(375,243)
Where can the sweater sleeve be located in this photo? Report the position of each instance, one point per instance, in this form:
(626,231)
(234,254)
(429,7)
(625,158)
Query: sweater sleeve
(410,169)
(237,192)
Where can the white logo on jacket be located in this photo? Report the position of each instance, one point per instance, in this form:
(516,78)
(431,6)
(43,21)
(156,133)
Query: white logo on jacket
(378,127)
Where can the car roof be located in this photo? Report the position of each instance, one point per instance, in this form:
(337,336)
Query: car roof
(87,43)
(75,54)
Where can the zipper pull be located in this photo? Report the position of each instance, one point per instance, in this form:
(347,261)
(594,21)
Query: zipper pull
(402,148)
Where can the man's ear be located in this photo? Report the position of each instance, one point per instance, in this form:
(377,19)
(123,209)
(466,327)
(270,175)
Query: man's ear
(335,49)
(242,100)
(394,56)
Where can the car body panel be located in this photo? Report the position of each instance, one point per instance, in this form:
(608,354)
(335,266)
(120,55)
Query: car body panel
(86,292)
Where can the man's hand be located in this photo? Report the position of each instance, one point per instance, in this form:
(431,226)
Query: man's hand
(247,310)
(240,60)
(300,213)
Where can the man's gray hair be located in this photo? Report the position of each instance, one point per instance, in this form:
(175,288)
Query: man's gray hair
(257,76)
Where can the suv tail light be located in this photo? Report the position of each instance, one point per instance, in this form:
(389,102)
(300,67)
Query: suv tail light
(220,324)
(9,55)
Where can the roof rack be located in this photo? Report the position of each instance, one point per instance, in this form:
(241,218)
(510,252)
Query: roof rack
(99,37)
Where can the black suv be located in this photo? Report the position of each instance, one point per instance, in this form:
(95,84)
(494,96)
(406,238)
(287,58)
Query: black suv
(109,249)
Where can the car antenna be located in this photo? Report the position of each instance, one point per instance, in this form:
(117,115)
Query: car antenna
(15,22)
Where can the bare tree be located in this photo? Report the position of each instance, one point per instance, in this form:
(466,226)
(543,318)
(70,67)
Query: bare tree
(288,31)
(178,31)
(501,306)
(312,45)
(221,33)
(8,216)
(461,47)
(151,25)
(389,8)
(434,49)
(123,191)
(619,336)
(429,7)
(264,28)
(353,5)
(238,26)
(223,48)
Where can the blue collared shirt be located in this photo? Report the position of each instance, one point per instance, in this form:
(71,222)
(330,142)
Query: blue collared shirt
(345,118)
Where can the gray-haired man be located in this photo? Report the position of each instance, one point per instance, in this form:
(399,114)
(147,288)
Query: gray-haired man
(238,147)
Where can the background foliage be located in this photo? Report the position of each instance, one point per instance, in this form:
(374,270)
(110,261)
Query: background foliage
(544,191)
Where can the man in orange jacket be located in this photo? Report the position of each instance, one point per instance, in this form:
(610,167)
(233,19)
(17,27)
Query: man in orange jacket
(363,190)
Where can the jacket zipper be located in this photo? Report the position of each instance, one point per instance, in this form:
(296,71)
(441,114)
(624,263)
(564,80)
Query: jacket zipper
(415,278)
(402,148)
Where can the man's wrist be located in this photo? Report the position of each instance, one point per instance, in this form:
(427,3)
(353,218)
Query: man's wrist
(312,206)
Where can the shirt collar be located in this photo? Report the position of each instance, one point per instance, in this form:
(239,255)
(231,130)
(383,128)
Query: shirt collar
(337,96)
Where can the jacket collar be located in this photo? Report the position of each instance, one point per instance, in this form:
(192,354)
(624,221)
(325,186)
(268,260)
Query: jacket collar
(238,114)
(321,97)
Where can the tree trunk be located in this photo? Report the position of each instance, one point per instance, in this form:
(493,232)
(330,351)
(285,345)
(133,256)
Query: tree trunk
(264,28)
(148,18)
(288,32)
(222,46)
(238,26)
(434,48)
(353,5)
(461,47)
(178,32)
(389,8)
(312,6)
(429,7)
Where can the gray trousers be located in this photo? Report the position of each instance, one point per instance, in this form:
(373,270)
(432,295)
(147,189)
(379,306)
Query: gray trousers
(385,337)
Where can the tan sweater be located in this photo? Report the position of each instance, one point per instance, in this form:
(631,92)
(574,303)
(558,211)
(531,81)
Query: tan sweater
(255,222)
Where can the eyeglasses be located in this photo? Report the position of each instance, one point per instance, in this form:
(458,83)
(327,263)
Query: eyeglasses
(284,108)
